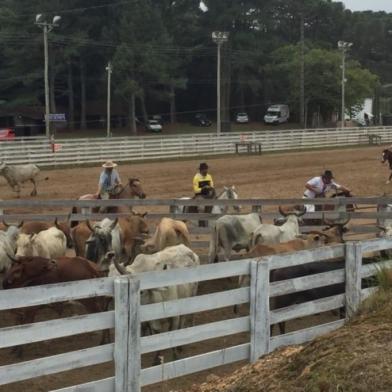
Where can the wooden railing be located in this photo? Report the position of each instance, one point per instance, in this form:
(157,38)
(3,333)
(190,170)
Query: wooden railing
(129,314)
(91,150)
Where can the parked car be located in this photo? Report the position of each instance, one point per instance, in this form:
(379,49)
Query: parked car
(158,118)
(201,120)
(153,126)
(277,114)
(7,134)
(242,118)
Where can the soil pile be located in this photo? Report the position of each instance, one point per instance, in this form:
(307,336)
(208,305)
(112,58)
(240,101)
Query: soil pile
(357,357)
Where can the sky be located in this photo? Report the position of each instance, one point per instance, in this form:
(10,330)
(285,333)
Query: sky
(375,5)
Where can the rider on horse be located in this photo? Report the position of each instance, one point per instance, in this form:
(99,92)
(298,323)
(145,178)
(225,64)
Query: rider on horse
(319,186)
(109,180)
(203,185)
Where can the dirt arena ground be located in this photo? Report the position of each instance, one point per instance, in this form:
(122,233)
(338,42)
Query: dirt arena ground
(266,176)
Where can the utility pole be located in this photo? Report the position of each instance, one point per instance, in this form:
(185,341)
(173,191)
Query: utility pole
(46,27)
(302,73)
(219,37)
(344,47)
(109,70)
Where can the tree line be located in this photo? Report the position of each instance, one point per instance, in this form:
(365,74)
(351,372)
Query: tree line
(164,60)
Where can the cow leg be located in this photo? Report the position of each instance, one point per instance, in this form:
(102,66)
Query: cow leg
(17,190)
(34,191)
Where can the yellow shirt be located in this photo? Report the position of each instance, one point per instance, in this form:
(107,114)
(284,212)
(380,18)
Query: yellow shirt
(199,181)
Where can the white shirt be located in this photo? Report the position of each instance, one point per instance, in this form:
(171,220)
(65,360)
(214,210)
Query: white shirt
(318,183)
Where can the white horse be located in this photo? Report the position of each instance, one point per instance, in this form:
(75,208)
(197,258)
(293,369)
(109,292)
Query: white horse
(228,193)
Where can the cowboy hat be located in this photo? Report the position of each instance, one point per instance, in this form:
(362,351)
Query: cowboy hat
(109,164)
(328,174)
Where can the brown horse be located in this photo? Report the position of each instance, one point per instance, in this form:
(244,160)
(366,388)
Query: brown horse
(387,156)
(132,190)
(330,207)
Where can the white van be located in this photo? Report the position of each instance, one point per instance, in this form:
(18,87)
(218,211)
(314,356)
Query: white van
(277,114)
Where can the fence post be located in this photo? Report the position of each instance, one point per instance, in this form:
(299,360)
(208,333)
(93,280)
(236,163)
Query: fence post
(134,352)
(259,309)
(121,345)
(353,277)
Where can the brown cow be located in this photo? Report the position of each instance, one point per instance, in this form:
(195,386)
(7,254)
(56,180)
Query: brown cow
(309,241)
(169,232)
(303,242)
(34,271)
(80,234)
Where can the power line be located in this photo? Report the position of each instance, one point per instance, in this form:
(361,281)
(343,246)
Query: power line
(79,9)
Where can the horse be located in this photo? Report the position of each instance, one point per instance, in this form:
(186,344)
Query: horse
(387,156)
(228,193)
(132,190)
(331,207)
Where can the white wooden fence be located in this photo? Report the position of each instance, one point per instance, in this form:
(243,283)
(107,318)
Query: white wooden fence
(128,314)
(92,150)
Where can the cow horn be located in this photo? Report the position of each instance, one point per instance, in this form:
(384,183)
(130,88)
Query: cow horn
(12,258)
(113,225)
(20,225)
(6,224)
(89,226)
(282,212)
(120,268)
(56,223)
(343,223)
(301,212)
(382,228)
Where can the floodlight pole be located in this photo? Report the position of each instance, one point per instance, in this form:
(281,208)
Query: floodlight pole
(46,27)
(344,47)
(219,38)
(109,70)
(47,107)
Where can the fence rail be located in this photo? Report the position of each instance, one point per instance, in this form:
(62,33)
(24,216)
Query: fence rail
(129,313)
(84,151)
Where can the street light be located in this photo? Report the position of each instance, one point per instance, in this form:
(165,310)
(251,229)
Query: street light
(344,47)
(47,27)
(109,70)
(219,37)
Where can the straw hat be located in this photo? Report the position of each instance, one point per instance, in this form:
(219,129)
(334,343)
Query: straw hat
(109,164)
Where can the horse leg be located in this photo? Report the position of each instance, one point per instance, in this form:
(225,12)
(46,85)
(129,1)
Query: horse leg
(389,179)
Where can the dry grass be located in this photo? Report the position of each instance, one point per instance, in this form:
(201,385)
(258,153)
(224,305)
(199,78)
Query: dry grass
(355,358)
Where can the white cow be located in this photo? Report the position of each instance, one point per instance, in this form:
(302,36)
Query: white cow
(272,234)
(7,249)
(232,232)
(171,258)
(50,243)
(18,174)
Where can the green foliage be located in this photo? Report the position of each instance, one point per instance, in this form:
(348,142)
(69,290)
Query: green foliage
(163,49)
(322,78)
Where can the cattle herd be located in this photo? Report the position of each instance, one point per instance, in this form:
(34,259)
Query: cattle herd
(34,253)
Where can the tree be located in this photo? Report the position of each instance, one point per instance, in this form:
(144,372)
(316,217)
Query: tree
(323,79)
